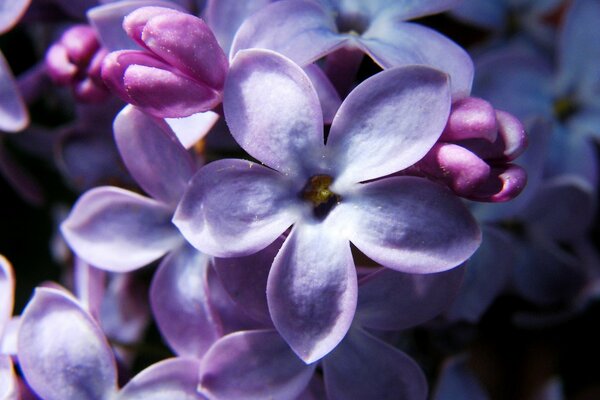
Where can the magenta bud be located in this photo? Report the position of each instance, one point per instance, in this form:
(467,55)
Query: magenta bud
(81,43)
(135,22)
(59,67)
(512,133)
(504,183)
(471,118)
(89,91)
(461,170)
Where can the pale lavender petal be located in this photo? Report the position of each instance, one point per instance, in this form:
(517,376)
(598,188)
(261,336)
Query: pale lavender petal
(392,300)
(304,31)
(487,275)
(458,381)
(388,123)
(180,303)
(328,95)
(8,379)
(312,289)
(153,155)
(11,12)
(245,279)
(62,351)
(579,49)
(364,367)
(189,130)
(118,230)
(107,19)
(13,113)
(174,378)
(402,10)
(273,110)
(410,224)
(89,285)
(253,365)
(7,292)
(392,43)
(234,208)
(225,17)
(8,342)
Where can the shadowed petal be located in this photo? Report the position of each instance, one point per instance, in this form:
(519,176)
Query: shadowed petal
(11,12)
(153,155)
(174,378)
(118,230)
(487,14)
(8,379)
(457,381)
(410,224)
(245,279)
(62,351)
(312,290)
(13,113)
(7,293)
(391,43)
(328,96)
(180,303)
(273,111)
(388,123)
(234,208)
(304,31)
(253,365)
(392,300)
(364,367)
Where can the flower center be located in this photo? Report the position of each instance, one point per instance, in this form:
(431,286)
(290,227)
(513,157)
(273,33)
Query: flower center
(564,107)
(318,193)
(351,23)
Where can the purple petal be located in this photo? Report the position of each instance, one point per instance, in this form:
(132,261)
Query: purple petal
(410,9)
(180,303)
(108,21)
(364,367)
(8,379)
(392,43)
(388,123)
(487,275)
(142,141)
(253,365)
(245,279)
(174,378)
(11,12)
(312,290)
(457,381)
(273,110)
(8,342)
(187,43)
(89,285)
(391,300)
(118,230)
(234,208)
(411,225)
(13,113)
(486,14)
(62,351)
(189,130)
(328,95)
(304,31)
(7,292)
(225,17)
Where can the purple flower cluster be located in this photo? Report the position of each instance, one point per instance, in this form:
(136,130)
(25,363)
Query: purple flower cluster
(295,192)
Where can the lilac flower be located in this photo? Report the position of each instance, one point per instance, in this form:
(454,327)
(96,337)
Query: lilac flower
(523,82)
(235,207)
(118,230)
(64,355)
(308,30)
(259,364)
(181,70)
(8,379)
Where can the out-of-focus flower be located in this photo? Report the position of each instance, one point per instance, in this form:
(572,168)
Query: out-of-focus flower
(235,207)
(8,379)
(181,70)
(305,31)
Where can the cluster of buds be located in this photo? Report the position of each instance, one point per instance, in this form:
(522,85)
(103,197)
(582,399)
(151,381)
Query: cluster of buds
(474,153)
(75,60)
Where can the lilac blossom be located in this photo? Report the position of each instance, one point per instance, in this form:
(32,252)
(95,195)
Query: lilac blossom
(181,70)
(234,207)
(259,364)
(307,30)
(118,230)
(8,379)
(523,82)
(64,354)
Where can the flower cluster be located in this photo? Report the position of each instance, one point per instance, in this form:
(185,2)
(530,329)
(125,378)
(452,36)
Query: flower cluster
(278,199)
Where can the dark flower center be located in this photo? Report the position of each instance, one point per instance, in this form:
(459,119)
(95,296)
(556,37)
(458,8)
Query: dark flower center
(564,107)
(318,193)
(352,23)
